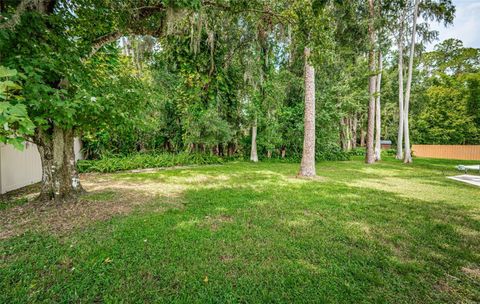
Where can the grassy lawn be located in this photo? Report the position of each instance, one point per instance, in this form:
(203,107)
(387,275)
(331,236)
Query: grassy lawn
(242,232)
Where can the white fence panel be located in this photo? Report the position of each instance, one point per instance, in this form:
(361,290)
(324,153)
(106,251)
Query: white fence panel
(22,168)
(19,168)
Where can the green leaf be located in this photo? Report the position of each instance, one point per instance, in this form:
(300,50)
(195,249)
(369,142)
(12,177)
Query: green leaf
(5,72)
(17,142)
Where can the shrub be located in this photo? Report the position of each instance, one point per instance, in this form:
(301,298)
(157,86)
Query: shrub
(143,161)
(389,152)
(357,152)
(333,153)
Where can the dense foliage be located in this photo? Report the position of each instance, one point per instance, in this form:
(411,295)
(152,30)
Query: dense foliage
(143,161)
(448,107)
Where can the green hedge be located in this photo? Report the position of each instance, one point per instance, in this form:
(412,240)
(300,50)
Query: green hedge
(143,161)
(157,160)
(360,151)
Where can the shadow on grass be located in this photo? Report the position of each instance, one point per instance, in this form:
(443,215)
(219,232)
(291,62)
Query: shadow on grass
(264,237)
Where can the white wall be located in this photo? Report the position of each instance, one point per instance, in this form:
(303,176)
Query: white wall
(77,148)
(19,168)
(22,168)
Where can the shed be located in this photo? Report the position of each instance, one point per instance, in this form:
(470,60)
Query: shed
(386,144)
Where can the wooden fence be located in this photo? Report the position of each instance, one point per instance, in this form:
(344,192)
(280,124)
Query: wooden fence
(465,152)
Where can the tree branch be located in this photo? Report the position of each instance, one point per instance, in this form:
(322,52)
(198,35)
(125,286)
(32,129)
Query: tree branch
(106,39)
(15,19)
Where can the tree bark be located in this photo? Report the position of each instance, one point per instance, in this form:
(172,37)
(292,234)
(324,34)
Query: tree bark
(349,133)
(370,156)
(15,18)
(408,152)
(354,131)
(307,166)
(101,41)
(346,133)
(253,152)
(343,136)
(378,118)
(60,180)
(399,154)
(231,149)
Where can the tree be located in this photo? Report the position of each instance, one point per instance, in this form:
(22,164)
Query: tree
(447,110)
(55,64)
(378,113)
(307,166)
(370,153)
(407,158)
(399,12)
(441,10)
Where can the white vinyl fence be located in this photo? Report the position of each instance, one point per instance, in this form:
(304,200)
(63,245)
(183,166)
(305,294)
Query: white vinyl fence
(22,168)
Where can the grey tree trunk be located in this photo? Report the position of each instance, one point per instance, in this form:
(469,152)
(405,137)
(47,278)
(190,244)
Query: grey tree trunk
(343,134)
(348,133)
(378,118)
(370,156)
(408,152)
(307,166)
(60,180)
(354,131)
(253,152)
(399,154)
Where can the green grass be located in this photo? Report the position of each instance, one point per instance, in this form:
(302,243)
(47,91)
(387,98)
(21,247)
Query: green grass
(100,196)
(252,233)
(5,204)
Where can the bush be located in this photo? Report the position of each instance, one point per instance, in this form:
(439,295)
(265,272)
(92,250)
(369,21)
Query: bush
(143,161)
(333,153)
(357,152)
(389,152)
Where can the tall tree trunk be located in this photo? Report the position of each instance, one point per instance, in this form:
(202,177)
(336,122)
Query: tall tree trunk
(349,133)
(343,136)
(354,131)
(231,149)
(262,39)
(253,152)
(363,134)
(60,180)
(408,153)
(370,156)
(307,166)
(346,133)
(399,154)
(378,118)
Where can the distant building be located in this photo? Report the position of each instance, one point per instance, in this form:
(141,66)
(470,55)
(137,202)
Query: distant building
(386,144)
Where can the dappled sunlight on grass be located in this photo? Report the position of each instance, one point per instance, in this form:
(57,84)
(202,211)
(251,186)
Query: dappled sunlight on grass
(187,224)
(415,189)
(299,222)
(385,233)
